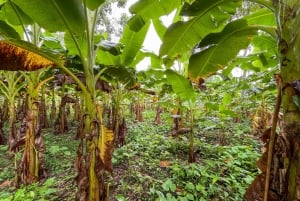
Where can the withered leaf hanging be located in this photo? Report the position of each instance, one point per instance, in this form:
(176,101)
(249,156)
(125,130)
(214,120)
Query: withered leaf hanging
(23,56)
(106,147)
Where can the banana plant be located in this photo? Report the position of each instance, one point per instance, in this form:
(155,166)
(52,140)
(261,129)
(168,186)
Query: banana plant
(213,29)
(118,124)
(184,90)
(77,19)
(61,123)
(11,84)
(31,167)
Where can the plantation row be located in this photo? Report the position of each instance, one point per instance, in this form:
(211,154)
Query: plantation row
(151,162)
(220,64)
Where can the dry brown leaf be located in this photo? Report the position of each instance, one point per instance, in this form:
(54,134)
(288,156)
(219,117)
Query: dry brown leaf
(5,184)
(14,58)
(106,147)
(164,164)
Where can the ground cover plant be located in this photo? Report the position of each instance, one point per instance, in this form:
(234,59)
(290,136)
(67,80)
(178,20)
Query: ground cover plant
(152,165)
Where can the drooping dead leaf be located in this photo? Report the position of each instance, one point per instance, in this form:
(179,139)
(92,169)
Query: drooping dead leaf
(82,176)
(106,147)
(262,162)
(256,190)
(14,58)
(266,135)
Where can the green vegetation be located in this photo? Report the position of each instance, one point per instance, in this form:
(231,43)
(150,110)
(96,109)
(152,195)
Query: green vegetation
(152,165)
(203,142)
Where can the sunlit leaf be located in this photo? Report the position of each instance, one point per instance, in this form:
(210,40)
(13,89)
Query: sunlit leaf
(106,58)
(72,47)
(55,15)
(181,37)
(136,23)
(93,4)
(52,43)
(262,17)
(138,58)
(217,49)
(159,28)
(154,8)
(227,98)
(15,16)
(133,42)
(264,43)
(181,86)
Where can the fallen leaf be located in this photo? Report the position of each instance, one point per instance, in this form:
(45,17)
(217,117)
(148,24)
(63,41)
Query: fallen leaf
(164,164)
(5,184)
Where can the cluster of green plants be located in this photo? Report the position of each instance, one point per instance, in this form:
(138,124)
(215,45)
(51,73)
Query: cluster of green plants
(223,176)
(221,172)
(34,192)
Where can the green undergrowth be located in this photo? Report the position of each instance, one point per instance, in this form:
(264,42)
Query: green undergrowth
(224,168)
(59,159)
(152,165)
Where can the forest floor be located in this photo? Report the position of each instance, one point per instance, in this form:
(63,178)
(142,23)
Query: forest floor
(152,165)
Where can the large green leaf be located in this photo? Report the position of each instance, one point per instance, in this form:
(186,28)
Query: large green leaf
(155,60)
(152,9)
(217,49)
(181,86)
(80,45)
(127,56)
(139,57)
(104,57)
(159,28)
(93,4)
(200,6)
(15,16)
(136,23)
(264,43)
(262,17)
(182,36)
(51,42)
(7,31)
(120,74)
(133,42)
(55,15)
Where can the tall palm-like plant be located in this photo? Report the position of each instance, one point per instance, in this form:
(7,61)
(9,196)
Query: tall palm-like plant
(77,20)
(10,86)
